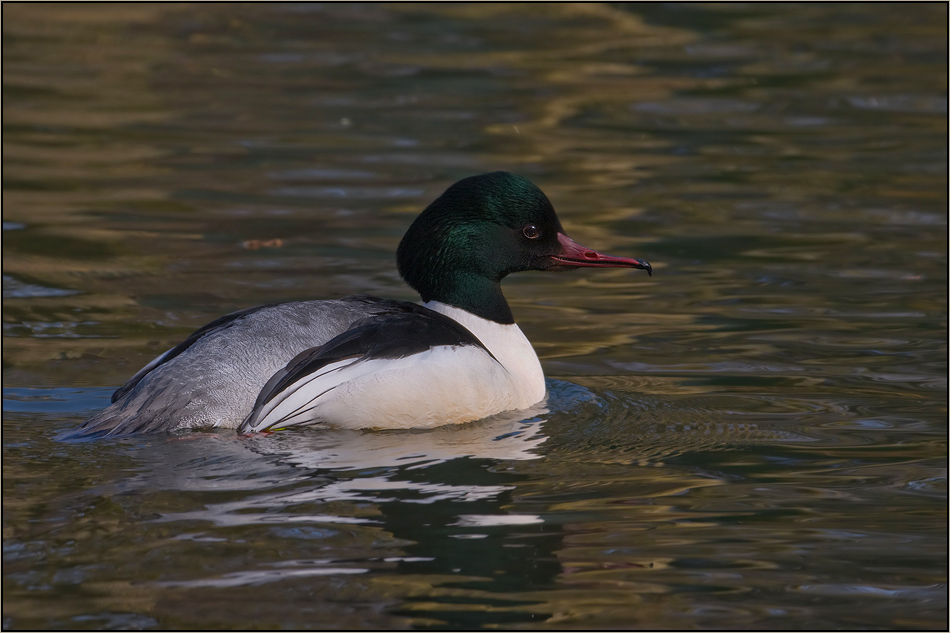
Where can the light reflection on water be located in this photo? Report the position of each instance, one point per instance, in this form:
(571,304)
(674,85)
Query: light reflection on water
(753,438)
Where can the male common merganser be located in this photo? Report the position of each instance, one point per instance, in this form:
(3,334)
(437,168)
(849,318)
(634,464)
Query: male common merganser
(362,362)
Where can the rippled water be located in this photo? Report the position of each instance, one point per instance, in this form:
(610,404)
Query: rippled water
(755,437)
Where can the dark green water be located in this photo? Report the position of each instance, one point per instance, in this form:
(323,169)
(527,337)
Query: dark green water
(755,437)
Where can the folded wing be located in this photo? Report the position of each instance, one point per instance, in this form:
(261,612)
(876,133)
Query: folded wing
(394,365)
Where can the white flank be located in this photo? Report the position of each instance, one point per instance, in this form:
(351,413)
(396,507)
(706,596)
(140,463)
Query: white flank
(442,385)
(295,404)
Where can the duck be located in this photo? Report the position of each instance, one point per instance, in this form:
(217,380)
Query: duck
(363,362)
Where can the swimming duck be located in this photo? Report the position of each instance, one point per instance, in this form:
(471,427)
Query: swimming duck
(364,362)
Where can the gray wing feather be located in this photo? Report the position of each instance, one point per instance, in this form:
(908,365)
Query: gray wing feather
(216,379)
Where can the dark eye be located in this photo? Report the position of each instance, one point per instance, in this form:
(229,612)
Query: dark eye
(531,232)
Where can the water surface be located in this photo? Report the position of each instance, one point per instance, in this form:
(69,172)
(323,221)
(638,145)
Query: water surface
(755,437)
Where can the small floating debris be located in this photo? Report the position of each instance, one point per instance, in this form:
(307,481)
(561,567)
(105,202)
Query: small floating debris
(253,245)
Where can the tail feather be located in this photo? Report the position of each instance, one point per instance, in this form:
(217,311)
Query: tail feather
(124,417)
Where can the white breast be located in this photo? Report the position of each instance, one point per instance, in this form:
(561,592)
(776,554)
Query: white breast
(510,346)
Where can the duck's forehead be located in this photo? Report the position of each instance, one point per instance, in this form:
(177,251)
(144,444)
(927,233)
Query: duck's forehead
(536,210)
(498,198)
(543,216)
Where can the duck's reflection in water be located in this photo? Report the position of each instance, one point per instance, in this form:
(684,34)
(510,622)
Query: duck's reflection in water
(290,473)
(436,502)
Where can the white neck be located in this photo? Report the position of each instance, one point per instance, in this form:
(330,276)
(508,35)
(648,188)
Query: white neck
(508,345)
